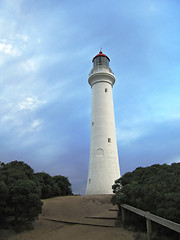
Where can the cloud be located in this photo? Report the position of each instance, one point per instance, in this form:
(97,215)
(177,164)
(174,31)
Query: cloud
(36,125)
(125,136)
(20,120)
(29,66)
(174,160)
(5,48)
(30,103)
(23,37)
(8,49)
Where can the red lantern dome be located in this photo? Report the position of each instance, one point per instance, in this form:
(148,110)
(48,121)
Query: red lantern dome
(100,54)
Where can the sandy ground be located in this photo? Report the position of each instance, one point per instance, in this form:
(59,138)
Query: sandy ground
(76,218)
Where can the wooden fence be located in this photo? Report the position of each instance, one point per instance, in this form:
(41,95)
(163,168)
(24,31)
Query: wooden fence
(150,217)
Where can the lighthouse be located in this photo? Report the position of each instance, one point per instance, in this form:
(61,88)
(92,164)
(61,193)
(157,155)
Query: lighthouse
(103,161)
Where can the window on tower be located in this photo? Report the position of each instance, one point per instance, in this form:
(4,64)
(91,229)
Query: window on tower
(109,140)
(106,89)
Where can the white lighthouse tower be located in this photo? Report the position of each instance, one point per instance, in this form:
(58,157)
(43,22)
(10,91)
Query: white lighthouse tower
(103,162)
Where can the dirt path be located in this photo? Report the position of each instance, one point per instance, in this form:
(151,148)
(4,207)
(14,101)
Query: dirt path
(78,210)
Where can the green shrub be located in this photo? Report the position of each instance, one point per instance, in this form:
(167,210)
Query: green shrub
(155,189)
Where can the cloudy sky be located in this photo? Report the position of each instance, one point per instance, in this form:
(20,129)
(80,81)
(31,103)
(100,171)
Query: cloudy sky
(46,49)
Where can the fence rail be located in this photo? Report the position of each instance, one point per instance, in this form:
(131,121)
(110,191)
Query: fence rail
(150,217)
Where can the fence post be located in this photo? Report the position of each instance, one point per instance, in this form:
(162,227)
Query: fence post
(123,216)
(148,226)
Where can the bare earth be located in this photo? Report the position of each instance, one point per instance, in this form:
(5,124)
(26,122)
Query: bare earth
(76,218)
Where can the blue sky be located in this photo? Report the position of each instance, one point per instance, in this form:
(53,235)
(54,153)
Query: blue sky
(46,49)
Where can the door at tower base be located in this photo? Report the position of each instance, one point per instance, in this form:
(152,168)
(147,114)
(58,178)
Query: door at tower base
(103,161)
(102,177)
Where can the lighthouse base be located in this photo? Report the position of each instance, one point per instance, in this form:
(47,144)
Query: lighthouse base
(102,176)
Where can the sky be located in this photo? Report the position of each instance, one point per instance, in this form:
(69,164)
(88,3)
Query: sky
(46,52)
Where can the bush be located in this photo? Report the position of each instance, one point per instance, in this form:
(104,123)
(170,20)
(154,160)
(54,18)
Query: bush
(154,189)
(20,201)
(53,186)
(25,201)
(20,193)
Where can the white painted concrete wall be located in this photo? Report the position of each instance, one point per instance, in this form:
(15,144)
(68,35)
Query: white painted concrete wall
(103,162)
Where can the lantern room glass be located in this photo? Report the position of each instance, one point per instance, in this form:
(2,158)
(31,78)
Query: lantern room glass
(101,60)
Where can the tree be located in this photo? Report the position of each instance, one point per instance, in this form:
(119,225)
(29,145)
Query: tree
(63,184)
(3,206)
(15,170)
(46,183)
(155,189)
(53,186)
(21,190)
(25,200)
(20,200)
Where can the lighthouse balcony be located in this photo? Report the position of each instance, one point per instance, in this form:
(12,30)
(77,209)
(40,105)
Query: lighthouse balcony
(101,69)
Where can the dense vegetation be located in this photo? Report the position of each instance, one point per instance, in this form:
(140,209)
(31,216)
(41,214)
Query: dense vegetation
(21,191)
(155,189)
